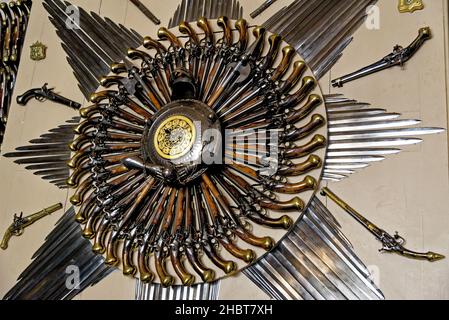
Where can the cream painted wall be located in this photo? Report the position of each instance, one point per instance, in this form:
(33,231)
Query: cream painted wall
(408,192)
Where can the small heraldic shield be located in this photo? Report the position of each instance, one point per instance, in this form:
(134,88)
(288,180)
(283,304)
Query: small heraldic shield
(38,51)
(410,5)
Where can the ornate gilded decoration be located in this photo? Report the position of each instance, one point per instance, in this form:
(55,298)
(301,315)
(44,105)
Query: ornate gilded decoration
(410,5)
(205,158)
(38,51)
(174,137)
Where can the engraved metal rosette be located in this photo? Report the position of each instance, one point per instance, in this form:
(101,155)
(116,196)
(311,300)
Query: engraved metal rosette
(189,158)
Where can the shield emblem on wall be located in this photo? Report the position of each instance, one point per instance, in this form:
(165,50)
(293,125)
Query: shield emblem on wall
(38,51)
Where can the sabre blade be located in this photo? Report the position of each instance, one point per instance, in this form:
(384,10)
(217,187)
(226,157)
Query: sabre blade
(384,134)
(372,125)
(354,120)
(353,159)
(362,152)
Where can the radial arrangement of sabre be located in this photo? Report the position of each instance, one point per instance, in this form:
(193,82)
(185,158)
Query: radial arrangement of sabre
(200,151)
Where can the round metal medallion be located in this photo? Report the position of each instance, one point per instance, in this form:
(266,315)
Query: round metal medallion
(174,137)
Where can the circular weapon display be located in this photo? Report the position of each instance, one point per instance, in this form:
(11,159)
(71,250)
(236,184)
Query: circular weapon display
(200,153)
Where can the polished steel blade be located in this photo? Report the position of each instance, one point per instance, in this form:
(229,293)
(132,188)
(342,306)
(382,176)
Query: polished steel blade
(373,143)
(384,134)
(375,125)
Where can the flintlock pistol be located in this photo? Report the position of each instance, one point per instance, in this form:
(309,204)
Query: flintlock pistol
(20,223)
(393,244)
(398,57)
(45,93)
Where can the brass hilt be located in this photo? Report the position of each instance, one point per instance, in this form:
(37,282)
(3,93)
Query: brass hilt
(317,142)
(146,276)
(111,250)
(78,197)
(299,67)
(312,163)
(150,43)
(242,26)
(77,174)
(86,125)
(109,81)
(288,52)
(100,96)
(100,236)
(274,41)
(186,278)
(88,111)
(164,34)
(424,34)
(129,268)
(266,243)
(283,222)
(247,255)
(315,123)
(206,274)
(203,23)
(307,86)
(185,28)
(227,266)
(259,44)
(223,22)
(134,54)
(297,115)
(166,279)
(118,68)
(429,256)
(309,183)
(294,204)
